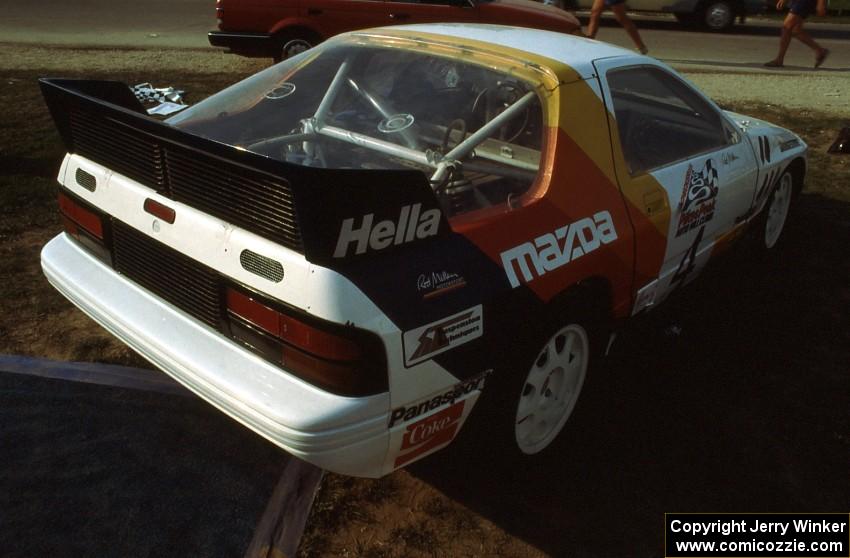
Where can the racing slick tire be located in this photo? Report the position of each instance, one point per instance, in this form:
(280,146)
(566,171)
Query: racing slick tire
(774,216)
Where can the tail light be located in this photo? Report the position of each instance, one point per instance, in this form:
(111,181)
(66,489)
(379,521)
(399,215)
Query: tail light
(340,359)
(85,224)
(77,216)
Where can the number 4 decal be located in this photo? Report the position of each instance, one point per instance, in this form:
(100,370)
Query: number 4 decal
(687,265)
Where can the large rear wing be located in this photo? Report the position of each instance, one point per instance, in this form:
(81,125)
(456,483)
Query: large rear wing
(332,216)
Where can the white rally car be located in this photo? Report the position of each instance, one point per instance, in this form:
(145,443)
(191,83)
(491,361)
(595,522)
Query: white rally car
(344,251)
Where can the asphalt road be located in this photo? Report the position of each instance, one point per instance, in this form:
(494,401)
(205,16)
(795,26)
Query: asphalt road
(184,23)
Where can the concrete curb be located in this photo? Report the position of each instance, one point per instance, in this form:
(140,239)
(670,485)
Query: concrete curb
(93,373)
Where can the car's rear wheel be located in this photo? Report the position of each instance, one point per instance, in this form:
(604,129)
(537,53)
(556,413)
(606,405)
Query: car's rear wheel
(293,43)
(777,209)
(551,387)
(718,15)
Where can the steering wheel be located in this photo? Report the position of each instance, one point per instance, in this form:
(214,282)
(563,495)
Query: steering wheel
(495,100)
(458,123)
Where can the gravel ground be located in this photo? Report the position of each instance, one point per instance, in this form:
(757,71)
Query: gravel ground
(827,93)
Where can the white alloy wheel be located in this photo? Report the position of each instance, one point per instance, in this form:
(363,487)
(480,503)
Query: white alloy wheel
(777,210)
(550,391)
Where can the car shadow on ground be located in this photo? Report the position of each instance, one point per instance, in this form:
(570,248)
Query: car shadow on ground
(90,470)
(731,398)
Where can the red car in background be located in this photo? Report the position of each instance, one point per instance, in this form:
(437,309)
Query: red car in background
(283,28)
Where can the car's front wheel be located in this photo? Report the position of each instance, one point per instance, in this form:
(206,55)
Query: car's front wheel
(550,389)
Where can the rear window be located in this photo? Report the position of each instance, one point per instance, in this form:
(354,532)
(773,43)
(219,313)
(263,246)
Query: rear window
(475,131)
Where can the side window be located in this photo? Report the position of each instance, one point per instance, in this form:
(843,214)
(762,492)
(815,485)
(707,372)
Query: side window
(661,120)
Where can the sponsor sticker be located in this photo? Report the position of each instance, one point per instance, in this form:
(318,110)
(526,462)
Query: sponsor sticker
(429,433)
(407,413)
(427,341)
(550,251)
(438,283)
(412,224)
(699,197)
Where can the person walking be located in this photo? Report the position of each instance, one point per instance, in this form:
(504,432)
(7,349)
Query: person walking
(619,9)
(793,27)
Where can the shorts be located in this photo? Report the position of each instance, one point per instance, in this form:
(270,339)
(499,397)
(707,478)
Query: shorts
(609,3)
(802,8)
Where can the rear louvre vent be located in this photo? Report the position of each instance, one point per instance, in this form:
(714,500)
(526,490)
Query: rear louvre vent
(181,281)
(252,200)
(124,150)
(86,180)
(261,265)
(247,199)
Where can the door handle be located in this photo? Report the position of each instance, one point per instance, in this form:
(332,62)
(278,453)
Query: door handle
(654,202)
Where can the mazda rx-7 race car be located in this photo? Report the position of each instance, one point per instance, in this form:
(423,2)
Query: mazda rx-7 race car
(350,250)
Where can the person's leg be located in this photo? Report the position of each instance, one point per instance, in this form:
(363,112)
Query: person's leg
(620,13)
(801,35)
(788,26)
(595,13)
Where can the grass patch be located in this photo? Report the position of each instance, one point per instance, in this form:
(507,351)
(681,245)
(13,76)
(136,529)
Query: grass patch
(36,319)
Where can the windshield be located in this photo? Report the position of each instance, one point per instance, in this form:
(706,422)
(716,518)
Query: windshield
(475,131)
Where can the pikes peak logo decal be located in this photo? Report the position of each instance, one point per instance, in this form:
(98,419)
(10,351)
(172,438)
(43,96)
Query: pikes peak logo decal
(438,337)
(698,200)
(550,251)
(413,224)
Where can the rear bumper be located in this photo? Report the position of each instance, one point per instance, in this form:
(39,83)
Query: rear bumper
(246,44)
(346,435)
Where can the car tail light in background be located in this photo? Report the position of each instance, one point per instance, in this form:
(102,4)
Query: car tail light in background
(343,360)
(85,224)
